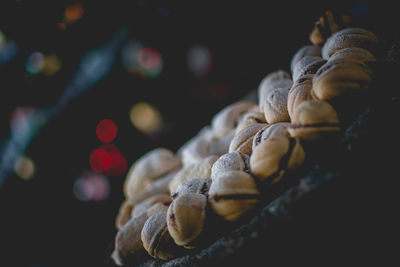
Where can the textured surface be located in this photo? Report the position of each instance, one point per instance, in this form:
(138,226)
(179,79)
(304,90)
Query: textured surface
(329,215)
(337,210)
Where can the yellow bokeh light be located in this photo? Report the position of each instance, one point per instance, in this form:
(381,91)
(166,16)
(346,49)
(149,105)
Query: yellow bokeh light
(24,168)
(145,117)
(52,64)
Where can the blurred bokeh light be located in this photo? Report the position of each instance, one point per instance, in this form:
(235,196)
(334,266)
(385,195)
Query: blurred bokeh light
(19,119)
(106,130)
(52,64)
(35,63)
(138,59)
(145,117)
(91,187)
(150,60)
(73,12)
(24,167)
(8,49)
(100,160)
(118,163)
(199,60)
(108,159)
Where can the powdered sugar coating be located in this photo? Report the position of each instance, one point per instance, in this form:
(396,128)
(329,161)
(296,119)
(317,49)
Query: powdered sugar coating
(242,141)
(273,130)
(227,119)
(300,91)
(307,65)
(307,50)
(353,53)
(274,105)
(350,37)
(228,162)
(276,79)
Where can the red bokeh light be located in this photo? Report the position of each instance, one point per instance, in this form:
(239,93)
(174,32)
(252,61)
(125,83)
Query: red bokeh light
(118,163)
(108,160)
(106,130)
(100,160)
(149,58)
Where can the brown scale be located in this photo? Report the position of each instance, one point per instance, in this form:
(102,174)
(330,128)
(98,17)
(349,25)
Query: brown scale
(327,24)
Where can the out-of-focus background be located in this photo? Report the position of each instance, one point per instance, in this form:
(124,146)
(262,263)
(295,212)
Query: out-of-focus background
(87,87)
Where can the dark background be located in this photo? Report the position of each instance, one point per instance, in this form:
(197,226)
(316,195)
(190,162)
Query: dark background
(42,223)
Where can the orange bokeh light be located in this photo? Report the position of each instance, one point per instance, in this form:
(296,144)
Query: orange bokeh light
(74,11)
